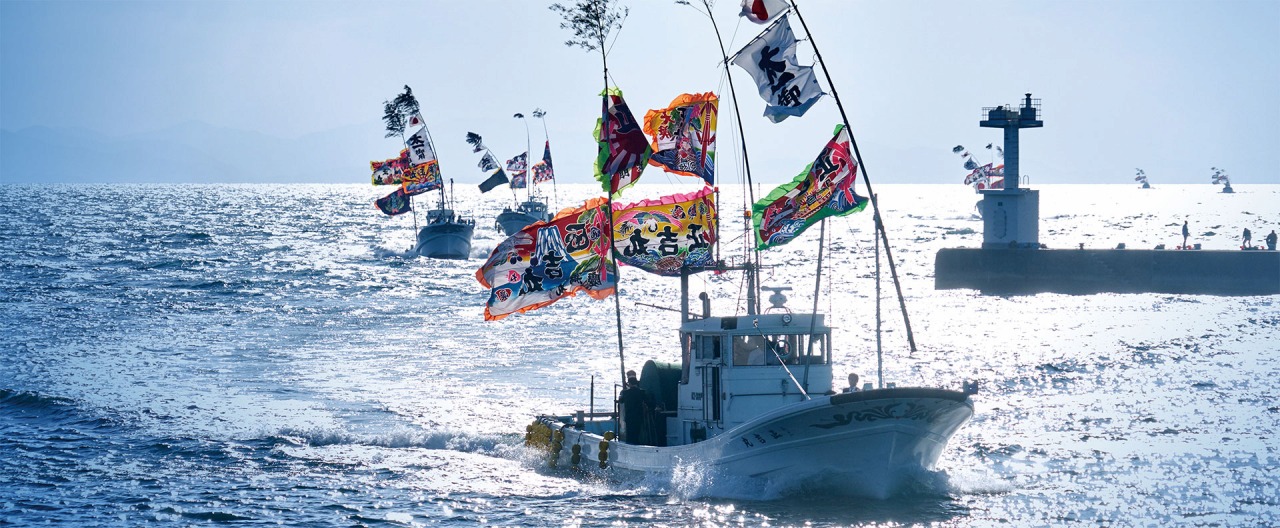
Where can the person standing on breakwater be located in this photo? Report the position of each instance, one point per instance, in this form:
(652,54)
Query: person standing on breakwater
(1271,240)
(1248,239)
(1186,232)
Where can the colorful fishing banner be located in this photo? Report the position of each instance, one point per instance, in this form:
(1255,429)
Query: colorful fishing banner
(661,236)
(986,177)
(550,172)
(624,150)
(542,172)
(684,136)
(390,172)
(548,261)
(394,203)
(519,180)
(788,88)
(518,163)
(422,178)
(825,188)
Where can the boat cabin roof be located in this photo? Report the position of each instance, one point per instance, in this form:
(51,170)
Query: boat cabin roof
(769,323)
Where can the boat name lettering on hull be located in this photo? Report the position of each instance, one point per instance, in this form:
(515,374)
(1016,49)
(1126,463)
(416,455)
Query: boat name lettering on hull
(886,412)
(754,439)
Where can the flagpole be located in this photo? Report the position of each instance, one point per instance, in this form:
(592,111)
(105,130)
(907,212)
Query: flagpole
(546,136)
(753,298)
(902,303)
(617,288)
(405,142)
(528,168)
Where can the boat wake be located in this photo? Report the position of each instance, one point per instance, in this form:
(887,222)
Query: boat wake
(385,253)
(689,483)
(404,437)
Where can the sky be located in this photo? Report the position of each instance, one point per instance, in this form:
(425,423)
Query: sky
(1173,87)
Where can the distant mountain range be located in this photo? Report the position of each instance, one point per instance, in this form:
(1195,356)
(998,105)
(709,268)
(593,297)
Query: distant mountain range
(192,152)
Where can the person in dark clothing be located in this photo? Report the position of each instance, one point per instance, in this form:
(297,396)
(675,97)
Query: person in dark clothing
(634,408)
(1271,240)
(1248,238)
(1186,232)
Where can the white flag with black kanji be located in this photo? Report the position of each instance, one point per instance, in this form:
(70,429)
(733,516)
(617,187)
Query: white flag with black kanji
(419,149)
(789,88)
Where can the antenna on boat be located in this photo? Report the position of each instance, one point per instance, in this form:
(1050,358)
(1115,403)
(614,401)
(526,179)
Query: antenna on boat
(902,303)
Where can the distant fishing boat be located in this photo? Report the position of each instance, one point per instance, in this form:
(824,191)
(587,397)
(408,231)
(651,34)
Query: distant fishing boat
(982,177)
(511,221)
(1220,178)
(446,234)
(534,207)
(1142,177)
(417,170)
(753,395)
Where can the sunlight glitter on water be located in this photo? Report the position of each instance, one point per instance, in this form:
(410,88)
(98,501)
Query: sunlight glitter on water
(295,367)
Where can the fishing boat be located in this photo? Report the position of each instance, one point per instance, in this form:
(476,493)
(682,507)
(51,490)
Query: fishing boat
(1142,178)
(416,170)
(446,235)
(534,207)
(753,395)
(531,210)
(1220,178)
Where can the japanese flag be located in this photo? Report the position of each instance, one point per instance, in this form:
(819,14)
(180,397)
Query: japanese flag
(415,120)
(762,11)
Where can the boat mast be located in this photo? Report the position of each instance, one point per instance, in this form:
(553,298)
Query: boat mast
(753,294)
(879,341)
(546,137)
(405,142)
(591,21)
(902,303)
(432,144)
(528,167)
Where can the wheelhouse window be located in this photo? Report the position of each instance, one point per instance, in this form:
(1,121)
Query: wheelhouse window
(777,349)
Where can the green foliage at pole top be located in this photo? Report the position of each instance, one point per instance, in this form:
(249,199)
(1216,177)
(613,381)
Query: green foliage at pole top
(591,21)
(396,112)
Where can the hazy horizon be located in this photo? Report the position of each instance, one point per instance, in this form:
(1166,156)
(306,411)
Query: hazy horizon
(1173,88)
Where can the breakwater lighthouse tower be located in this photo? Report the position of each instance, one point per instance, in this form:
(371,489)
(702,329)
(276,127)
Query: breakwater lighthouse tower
(1011,261)
(1011,216)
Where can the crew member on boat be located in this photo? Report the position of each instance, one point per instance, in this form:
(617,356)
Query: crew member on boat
(634,406)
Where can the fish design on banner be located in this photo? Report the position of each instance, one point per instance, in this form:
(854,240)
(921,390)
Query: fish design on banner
(548,261)
(661,236)
(824,188)
(684,136)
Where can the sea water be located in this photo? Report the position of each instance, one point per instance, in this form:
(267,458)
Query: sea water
(271,355)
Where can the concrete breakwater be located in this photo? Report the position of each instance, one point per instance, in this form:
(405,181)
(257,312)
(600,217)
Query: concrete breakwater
(1088,271)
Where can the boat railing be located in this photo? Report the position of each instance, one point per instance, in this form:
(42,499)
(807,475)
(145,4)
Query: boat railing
(580,418)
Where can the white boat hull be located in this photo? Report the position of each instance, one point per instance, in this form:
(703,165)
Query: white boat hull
(866,443)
